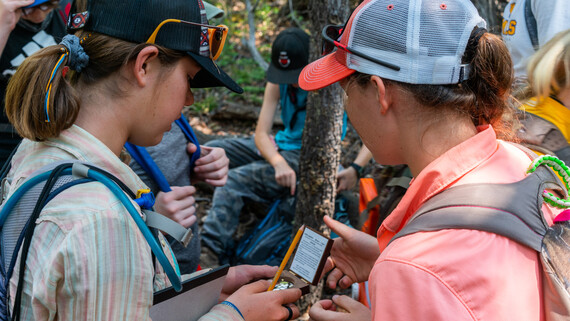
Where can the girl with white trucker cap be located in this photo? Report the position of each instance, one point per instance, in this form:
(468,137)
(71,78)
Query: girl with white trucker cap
(124,73)
(427,86)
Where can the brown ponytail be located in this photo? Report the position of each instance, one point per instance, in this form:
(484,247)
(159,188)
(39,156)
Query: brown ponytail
(490,81)
(26,92)
(25,97)
(484,96)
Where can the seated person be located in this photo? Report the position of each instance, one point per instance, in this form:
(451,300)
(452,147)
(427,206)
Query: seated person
(263,168)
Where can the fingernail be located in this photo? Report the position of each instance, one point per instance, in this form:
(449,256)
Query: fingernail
(335,297)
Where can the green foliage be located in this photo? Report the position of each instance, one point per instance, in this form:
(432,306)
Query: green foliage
(244,70)
(271,16)
(205,104)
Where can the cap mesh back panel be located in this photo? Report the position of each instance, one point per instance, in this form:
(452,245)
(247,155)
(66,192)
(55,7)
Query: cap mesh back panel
(393,24)
(425,38)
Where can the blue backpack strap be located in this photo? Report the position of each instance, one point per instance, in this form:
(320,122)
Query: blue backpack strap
(184,125)
(531,25)
(83,172)
(141,155)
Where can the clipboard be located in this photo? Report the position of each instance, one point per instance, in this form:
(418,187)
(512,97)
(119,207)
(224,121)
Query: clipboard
(198,295)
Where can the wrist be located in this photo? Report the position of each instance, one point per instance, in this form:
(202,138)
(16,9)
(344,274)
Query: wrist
(228,303)
(357,168)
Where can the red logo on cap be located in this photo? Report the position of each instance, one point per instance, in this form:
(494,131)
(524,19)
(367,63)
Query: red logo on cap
(284,60)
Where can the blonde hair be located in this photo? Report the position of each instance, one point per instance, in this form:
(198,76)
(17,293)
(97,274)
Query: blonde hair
(549,68)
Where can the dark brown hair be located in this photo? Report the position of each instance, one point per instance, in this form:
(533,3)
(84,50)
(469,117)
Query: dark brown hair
(484,96)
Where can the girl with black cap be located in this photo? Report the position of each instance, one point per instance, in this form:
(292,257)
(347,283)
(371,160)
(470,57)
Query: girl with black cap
(123,75)
(428,87)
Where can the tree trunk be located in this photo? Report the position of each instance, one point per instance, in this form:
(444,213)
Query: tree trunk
(492,12)
(320,153)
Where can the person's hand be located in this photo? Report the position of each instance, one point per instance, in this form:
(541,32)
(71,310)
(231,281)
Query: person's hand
(10,13)
(285,175)
(346,179)
(213,165)
(326,310)
(244,274)
(352,255)
(178,205)
(256,303)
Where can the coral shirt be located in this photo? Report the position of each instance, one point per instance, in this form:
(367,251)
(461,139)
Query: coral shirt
(457,274)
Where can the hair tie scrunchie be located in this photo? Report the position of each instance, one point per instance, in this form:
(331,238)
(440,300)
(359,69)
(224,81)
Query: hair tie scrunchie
(473,43)
(78,59)
(477,34)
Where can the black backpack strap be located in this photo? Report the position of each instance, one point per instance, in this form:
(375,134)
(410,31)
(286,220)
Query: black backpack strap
(531,25)
(29,231)
(511,210)
(543,136)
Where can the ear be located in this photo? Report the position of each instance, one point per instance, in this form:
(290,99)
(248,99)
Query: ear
(144,64)
(383,99)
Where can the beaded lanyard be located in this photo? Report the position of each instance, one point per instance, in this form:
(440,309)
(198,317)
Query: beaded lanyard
(563,171)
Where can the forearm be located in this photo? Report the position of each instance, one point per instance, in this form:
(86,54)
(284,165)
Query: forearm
(4,35)
(267,149)
(363,157)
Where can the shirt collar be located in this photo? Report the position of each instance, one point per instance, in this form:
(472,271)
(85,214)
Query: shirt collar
(439,175)
(74,143)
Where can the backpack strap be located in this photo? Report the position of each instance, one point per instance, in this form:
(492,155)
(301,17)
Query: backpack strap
(184,125)
(543,136)
(48,181)
(141,155)
(531,25)
(516,214)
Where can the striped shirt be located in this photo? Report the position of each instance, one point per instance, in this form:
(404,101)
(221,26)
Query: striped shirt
(87,259)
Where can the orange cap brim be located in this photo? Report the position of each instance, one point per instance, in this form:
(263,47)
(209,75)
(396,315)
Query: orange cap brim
(323,72)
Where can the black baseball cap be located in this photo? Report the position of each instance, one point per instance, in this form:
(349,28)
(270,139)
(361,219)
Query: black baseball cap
(289,54)
(135,21)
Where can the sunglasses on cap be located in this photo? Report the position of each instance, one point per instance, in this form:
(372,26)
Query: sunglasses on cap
(216,35)
(331,34)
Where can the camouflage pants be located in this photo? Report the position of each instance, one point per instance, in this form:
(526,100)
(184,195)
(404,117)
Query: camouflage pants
(250,177)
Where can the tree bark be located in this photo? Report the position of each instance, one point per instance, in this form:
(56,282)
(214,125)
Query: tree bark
(320,153)
(492,12)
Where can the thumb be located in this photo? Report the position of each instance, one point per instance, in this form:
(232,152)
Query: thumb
(345,302)
(342,230)
(191,148)
(258,286)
